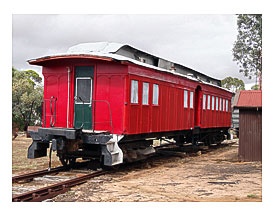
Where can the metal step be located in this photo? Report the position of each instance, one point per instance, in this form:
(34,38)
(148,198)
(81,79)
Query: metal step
(112,154)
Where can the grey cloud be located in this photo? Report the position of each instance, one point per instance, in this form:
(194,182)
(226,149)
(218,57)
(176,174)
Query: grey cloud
(202,42)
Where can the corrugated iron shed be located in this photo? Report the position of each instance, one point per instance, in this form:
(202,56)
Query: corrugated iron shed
(250,125)
(235,112)
(251,98)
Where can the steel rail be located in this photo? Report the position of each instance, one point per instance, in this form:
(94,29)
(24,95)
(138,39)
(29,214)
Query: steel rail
(55,189)
(32,175)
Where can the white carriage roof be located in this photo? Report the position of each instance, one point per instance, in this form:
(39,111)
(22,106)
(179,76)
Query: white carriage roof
(103,47)
(109,50)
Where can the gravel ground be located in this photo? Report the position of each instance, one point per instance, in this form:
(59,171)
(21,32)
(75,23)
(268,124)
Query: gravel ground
(213,177)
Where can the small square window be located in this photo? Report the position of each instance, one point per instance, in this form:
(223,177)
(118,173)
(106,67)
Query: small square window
(155,94)
(134,91)
(145,94)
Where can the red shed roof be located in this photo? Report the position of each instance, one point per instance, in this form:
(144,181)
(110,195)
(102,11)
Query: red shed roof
(251,98)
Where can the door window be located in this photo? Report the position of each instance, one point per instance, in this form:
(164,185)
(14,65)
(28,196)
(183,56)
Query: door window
(83,90)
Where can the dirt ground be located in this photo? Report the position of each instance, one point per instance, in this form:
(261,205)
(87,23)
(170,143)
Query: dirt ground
(217,176)
(20,162)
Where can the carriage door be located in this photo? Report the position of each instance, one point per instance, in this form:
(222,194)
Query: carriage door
(83,99)
(198,106)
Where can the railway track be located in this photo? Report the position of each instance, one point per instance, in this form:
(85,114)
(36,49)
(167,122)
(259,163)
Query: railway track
(59,188)
(30,176)
(55,189)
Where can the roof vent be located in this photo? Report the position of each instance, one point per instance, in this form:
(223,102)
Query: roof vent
(172,68)
(142,59)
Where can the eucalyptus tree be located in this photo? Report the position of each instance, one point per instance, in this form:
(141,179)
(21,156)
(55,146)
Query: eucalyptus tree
(27,98)
(233,84)
(247,49)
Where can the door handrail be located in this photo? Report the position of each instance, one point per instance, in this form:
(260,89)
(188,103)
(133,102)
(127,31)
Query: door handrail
(53,113)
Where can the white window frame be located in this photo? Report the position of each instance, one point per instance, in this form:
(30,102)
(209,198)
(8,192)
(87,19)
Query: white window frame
(204,102)
(185,104)
(145,95)
(208,102)
(155,94)
(79,78)
(134,83)
(191,100)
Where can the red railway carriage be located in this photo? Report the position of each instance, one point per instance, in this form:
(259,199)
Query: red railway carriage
(110,101)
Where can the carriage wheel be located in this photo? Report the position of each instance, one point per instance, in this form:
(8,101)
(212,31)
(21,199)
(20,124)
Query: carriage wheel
(67,161)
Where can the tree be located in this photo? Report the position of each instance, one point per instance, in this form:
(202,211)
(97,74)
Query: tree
(255,87)
(247,50)
(233,84)
(27,98)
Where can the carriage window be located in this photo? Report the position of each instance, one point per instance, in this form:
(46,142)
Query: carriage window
(185,99)
(134,91)
(208,102)
(220,104)
(223,106)
(213,103)
(217,103)
(145,94)
(191,99)
(226,105)
(204,101)
(155,94)
(83,90)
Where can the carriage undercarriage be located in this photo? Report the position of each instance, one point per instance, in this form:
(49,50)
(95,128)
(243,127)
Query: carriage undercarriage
(104,149)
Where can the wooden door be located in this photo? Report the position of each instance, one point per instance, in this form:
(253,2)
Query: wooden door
(83,100)
(198,107)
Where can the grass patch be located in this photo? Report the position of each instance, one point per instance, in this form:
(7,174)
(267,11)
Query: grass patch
(15,167)
(251,195)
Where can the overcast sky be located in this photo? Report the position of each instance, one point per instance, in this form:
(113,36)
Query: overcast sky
(201,42)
